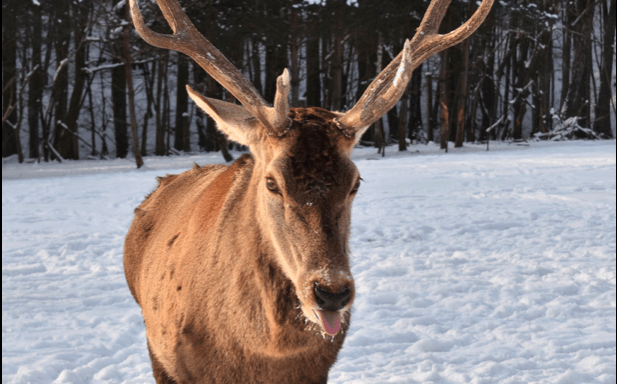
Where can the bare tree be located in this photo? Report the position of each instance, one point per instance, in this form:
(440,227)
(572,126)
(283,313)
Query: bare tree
(462,97)
(66,132)
(9,76)
(579,93)
(118,86)
(35,91)
(443,101)
(602,123)
(129,81)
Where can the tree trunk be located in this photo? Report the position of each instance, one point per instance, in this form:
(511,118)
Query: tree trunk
(414,105)
(166,115)
(45,117)
(392,114)
(295,68)
(181,139)
(380,137)
(471,132)
(118,95)
(9,76)
(462,97)
(393,124)
(276,54)
(129,82)
(454,65)
(221,138)
(66,142)
(578,97)
(201,120)
(337,58)
(545,76)
(313,82)
(487,97)
(602,123)
(149,84)
(35,92)
(568,19)
(256,65)
(429,109)
(20,152)
(443,101)
(402,123)
(159,148)
(521,73)
(511,63)
(325,62)
(104,149)
(62,42)
(348,63)
(92,121)
(118,100)
(366,46)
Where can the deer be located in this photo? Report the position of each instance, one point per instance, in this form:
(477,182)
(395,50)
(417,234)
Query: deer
(242,271)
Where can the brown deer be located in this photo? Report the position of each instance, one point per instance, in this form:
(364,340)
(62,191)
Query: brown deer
(242,272)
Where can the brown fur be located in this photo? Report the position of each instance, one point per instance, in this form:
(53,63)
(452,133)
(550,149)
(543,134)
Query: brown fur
(223,268)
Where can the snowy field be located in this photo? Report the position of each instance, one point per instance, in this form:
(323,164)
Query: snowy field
(471,267)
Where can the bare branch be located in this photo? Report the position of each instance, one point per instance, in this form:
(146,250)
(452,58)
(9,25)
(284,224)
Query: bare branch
(112,66)
(12,106)
(51,147)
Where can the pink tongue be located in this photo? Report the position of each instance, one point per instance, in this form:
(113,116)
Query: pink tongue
(330,321)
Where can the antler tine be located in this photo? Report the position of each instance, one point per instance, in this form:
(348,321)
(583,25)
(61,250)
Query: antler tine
(433,16)
(278,114)
(188,40)
(427,41)
(175,15)
(156,39)
(424,44)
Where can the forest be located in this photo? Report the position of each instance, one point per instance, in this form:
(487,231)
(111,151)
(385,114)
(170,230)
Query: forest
(78,82)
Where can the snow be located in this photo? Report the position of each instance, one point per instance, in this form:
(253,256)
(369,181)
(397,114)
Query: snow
(121,4)
(399,73)
(353,3)
(471,267)
(566,129)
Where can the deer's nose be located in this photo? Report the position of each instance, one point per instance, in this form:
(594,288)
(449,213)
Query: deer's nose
(329,301)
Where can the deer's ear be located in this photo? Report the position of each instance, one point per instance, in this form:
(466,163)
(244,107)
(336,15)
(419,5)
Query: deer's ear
(232,119)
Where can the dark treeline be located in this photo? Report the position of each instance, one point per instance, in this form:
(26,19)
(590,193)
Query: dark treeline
(77,80)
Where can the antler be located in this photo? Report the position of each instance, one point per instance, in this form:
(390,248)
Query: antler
(187,39)
(388,87)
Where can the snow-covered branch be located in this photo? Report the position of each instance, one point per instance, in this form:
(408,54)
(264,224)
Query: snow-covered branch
(114,65)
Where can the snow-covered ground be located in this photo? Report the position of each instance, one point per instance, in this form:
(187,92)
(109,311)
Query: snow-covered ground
(471,267)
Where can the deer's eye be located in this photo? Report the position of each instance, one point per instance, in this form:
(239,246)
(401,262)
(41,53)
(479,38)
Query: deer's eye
(355,188)
(272,186)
